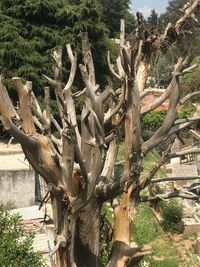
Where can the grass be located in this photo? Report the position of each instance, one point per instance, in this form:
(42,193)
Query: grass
(166,252)
(146,228)
(149,162)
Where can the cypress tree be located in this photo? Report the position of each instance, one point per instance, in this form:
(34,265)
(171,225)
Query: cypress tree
(30,31)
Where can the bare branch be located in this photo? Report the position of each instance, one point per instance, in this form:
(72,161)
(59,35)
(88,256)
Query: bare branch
(6,107)
(120,68)
(143,251)
(146,181)
(171,179)
(105,94)
(176,193)
(98,124)
(189,69)
(37,123)
(162,132)
(106,191)
(57,83)
(79,93)
(20,136)
(67,162)
(110,160)
(189,96)
(114,111)
(172,31)
(73,60)
(150,91)
(38,112)
(122,32)
(193,150)
(24,91)
(61,241)
(51,81)
(165,94)
(123,252)
(111,67)
(89,86)
(177,128)
(188,11)
(159,100)
(189,119)
(55,123)
(48,108)
(87,57)
(68,100)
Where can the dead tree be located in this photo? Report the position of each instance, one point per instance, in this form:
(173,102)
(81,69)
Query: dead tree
(78,166)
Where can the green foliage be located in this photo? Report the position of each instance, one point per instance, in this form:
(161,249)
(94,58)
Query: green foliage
(191,81)
(113,11)
(163,67)
(153,19)
(186,112)
(31,30)
(28,33)
(152,120)
(16,245)
(172,213)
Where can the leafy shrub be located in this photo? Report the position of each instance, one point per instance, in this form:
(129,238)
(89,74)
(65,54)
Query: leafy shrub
(186,112)
(172,213)
(152,120)
(16,245)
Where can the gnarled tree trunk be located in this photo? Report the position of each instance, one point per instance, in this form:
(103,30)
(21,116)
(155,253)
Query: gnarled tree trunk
(78,167)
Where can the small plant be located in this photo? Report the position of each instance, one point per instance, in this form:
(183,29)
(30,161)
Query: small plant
(172,213)
(16,245)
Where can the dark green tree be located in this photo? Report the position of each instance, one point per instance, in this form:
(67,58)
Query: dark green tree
(153,19)
(30,31)
(89,20)
(113,11)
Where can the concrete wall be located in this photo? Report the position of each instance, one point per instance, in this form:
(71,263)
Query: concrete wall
(17,188)
(191,229)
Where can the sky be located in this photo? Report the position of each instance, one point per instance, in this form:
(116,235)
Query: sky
(145,6)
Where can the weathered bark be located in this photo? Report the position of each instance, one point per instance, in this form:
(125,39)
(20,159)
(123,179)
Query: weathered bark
(123,217)
(88,236)
(78,167)
(162,132)
(24,107)
(6,108)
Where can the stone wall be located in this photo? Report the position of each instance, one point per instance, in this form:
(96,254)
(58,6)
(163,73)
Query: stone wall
(17,188)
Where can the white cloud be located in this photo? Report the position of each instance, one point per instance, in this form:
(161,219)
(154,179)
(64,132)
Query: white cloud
(145,10)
